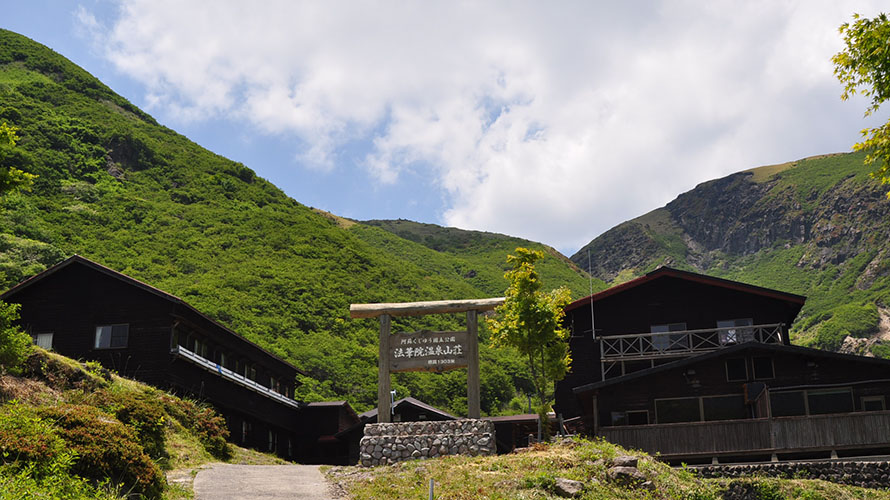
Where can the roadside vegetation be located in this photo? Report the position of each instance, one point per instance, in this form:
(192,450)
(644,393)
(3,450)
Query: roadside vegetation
(75,430)
(535,473)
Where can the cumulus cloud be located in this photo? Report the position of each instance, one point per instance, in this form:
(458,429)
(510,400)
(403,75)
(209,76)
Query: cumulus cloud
(547,121)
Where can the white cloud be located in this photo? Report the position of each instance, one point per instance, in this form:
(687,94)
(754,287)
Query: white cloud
(547,121)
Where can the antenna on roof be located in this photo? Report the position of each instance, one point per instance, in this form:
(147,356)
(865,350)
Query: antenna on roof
(590,280)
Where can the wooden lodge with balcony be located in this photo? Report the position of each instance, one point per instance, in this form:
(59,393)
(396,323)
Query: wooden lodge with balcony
(663,316)
(699,369)
(87,311)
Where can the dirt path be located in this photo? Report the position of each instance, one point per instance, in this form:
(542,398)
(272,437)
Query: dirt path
(261,482)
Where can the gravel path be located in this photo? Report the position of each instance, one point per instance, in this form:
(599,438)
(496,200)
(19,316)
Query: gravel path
(262,482)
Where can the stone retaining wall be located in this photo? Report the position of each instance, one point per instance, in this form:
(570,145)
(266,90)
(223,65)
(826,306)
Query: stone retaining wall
(867,474)
(390,443)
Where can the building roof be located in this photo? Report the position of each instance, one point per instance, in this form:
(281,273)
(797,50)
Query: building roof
(729,351)
(689,276)
(77,259)
(372,414)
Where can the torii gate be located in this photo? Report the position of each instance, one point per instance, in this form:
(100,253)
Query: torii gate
(425,350)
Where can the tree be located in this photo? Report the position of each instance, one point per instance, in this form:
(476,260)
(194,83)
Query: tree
(15,345)
(864,67)
(11,178)
(530,320)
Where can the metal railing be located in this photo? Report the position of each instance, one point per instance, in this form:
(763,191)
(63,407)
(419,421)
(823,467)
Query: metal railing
(651,346)
(237,378)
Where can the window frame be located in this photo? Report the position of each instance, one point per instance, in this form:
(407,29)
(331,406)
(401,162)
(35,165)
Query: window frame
(726,368)
(732,337)
(772,367)
(871,399)
(658,418)
(35,338)
(111,337)
(669,339)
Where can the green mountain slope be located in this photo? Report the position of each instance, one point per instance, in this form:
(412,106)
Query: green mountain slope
(118,188)
(476,255)
(818,227)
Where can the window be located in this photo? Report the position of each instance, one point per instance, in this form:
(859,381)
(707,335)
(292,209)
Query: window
(724,407)
(873,403)
(736,370)
(677,410)
(111,336)
(274,385)
(787,404)
(638,417)
(763,368)
(44,340)
(735,335)
(273,441)
(669,342)
(619,418)
(250,372)
(830,401)
(245,431)
(222,360)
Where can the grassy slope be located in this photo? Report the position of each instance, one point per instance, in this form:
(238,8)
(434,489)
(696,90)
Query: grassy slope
(161,428)
(116,187)
(532,473)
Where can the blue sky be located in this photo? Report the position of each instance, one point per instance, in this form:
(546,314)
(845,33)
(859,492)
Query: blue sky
(552,122)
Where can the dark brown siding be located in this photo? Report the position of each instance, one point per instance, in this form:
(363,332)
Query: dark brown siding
(664,300)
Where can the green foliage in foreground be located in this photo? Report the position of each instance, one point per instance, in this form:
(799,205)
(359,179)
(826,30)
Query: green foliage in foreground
(864,66)
(531,321)
(15,345)
(532,474)
(72,430)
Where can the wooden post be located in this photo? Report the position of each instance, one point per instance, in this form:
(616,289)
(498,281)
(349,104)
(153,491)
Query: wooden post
(383,383)
(473,400)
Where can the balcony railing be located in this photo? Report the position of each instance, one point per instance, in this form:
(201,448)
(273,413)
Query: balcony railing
(237,378)
(614,350)
(752,436)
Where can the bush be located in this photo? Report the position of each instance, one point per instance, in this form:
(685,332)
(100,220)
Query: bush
(204,421)
(26,439)
(15,345)
(106,448)
(142,412)
(849,319)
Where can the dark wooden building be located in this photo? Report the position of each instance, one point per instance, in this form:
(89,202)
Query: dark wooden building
(750,401)
(663,316)
(328,421)
(84,310)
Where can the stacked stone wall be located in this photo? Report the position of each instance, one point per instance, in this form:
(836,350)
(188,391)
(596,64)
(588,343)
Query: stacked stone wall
(857,473)
(395,442)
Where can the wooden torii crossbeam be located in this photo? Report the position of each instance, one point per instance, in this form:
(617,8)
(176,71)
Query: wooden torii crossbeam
(385,311)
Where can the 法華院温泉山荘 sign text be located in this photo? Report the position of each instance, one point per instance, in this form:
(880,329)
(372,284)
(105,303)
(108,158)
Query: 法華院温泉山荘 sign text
(427,351)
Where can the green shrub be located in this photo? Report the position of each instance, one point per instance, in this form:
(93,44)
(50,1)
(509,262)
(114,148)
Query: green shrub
(15,345)
(20,483)
(27,439)
(830,336)
(142,412)
(203,421)
(106,449)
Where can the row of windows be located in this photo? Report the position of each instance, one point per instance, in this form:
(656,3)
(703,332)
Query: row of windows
(733,407)
(248,370)
(106,337)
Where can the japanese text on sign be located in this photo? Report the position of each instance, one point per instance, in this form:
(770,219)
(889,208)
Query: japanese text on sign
(425,350)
